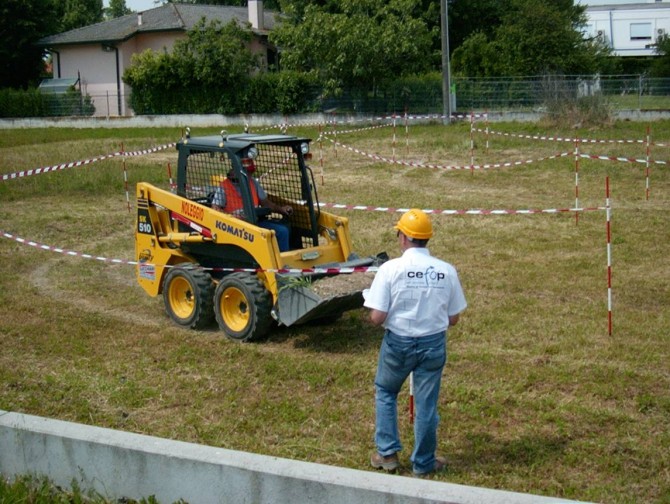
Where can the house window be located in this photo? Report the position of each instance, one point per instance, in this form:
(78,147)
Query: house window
(640,31)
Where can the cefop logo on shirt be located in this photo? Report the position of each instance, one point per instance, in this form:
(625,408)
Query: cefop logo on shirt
(428,278)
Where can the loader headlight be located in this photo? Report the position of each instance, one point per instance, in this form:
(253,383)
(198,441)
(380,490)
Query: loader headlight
(304,148)
(252,153)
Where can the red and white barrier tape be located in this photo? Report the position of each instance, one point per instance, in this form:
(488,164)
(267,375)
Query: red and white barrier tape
(317,270)
(366,128)
(334,122)
(72,253)
(473,211)
(433,117)
(67,252)
(508,164)
(556,139)
(623,159)
(76,164)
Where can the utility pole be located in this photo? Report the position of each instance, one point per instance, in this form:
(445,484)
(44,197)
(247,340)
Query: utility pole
(446,77)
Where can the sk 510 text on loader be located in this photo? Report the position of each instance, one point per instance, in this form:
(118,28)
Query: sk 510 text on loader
(210,265)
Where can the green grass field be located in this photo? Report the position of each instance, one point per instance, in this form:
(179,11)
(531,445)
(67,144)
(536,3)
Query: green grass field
(538,396)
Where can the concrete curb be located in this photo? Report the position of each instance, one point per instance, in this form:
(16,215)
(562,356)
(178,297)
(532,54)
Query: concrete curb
(117,464)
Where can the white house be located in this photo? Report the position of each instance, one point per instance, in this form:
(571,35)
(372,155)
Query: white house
(629,28)
(99,54)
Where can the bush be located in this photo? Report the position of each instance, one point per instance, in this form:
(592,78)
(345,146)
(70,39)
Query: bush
(15,103)
(565,107)
(33,103)
(264,93)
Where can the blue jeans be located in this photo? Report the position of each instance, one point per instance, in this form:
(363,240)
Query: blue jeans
(398,357)
(281,232)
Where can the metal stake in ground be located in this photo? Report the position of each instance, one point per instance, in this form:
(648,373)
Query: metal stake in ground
(577,157)
(648,142)
(608,213)
(411,397)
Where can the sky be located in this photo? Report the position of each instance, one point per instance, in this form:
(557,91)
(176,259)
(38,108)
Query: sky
(136,5)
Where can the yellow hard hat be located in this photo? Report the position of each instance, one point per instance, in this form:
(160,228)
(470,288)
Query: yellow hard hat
(415,224)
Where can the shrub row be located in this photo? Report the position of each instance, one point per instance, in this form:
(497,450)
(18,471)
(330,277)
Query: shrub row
(285,92)
(33,103)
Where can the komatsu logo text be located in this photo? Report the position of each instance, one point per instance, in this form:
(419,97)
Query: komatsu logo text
(191,210)
(235,231)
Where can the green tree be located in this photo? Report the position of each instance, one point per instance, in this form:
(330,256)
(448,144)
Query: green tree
(117,8)
(214,54)
(205,72)
(660,67)
(24,22)
(77,13)
(467,17)
(534,37)
(353,43)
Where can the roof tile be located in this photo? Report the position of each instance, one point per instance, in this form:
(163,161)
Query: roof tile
(167,17)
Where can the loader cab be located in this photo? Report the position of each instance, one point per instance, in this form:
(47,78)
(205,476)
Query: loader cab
(277,162)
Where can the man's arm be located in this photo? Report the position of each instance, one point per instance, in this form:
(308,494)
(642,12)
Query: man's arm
(453,319)
(219,199)
(377,317)
(284,210)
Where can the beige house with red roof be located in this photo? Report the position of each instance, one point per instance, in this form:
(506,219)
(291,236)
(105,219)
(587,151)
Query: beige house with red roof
(98,54)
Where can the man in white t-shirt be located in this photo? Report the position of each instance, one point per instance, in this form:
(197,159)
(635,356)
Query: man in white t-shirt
(415,297)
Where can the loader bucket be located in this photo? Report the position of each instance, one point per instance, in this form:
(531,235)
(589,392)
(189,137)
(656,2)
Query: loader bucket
(299,304)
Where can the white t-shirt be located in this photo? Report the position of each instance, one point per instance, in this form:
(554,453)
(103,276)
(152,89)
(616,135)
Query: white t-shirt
(418,292)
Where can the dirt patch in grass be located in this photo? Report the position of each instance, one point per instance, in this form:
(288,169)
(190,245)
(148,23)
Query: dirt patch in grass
(342,284)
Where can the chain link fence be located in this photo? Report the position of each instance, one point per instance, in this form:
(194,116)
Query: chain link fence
(621,92)
(528,94)
(421,95)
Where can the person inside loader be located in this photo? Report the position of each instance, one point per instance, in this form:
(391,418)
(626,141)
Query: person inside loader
(227,198)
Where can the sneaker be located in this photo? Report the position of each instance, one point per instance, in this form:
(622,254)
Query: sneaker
(388,463)
(439,465)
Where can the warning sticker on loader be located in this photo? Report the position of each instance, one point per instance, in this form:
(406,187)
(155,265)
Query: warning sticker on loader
(147,271)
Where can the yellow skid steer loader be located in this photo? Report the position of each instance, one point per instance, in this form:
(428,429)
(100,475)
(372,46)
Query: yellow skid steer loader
(223,262)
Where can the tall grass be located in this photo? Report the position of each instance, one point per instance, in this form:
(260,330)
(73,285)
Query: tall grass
(537,397)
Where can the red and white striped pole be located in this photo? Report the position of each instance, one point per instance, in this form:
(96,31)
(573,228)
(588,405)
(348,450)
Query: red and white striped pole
(648,142)
(577,157)
(125,183)
(406,133)
(472,143)
(334,124)
(321,152)
(394,126)
(411,397)
(486,115)
(169,170)
(608,213)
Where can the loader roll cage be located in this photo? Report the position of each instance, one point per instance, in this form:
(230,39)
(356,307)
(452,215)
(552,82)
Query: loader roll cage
(280,168)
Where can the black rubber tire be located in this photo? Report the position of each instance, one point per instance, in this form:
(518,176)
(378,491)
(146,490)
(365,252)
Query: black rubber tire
(188,295)
(243,306)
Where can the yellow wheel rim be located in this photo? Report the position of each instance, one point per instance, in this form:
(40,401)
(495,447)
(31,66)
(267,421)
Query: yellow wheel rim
(182,300)
(234,309)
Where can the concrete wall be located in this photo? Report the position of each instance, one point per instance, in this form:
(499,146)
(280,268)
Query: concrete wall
(166,121)
(118,464)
